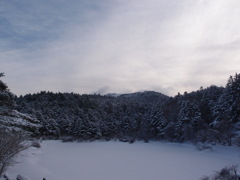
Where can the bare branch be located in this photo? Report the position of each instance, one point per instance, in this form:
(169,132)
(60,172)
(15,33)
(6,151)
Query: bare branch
(11,144)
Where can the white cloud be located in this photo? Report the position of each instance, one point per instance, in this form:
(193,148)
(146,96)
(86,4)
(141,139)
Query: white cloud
(127,46)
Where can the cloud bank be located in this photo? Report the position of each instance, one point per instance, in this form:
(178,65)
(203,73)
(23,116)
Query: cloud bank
(118,45)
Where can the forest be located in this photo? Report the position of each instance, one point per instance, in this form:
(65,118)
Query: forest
(209,114)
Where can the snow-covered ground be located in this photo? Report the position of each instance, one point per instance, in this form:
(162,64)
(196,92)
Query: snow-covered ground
(122,161)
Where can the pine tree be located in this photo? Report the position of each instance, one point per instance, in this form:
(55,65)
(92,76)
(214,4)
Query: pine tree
(189,120)
(7,99)
(227,107)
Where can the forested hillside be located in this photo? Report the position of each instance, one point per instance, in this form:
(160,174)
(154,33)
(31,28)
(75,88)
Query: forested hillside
(12,120)
(206,115)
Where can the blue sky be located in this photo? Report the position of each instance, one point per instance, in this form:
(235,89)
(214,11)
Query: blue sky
(121,46)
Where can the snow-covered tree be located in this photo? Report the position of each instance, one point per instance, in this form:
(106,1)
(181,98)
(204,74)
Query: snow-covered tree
(7,101)
(227,107)
(189,119)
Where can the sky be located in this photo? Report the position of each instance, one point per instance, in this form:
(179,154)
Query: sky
(118,46)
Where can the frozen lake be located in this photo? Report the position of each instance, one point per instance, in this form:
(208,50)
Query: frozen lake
(122,161)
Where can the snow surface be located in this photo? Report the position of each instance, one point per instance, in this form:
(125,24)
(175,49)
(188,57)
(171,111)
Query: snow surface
(122,161)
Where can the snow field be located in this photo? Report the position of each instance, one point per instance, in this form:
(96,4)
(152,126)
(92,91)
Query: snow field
(122,161)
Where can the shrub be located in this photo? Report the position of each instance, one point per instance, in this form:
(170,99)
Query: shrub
(36,144)
(11,144)
(202,147)
(21,177)
(227,173)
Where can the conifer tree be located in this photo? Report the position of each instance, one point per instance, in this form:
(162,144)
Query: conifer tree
(7,101)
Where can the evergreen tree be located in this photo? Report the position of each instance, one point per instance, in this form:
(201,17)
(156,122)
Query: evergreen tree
(7,99)
(189,120)
(227,107)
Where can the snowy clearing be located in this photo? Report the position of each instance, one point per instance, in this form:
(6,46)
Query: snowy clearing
(122,161)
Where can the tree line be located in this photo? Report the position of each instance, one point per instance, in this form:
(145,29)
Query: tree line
(206,115)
